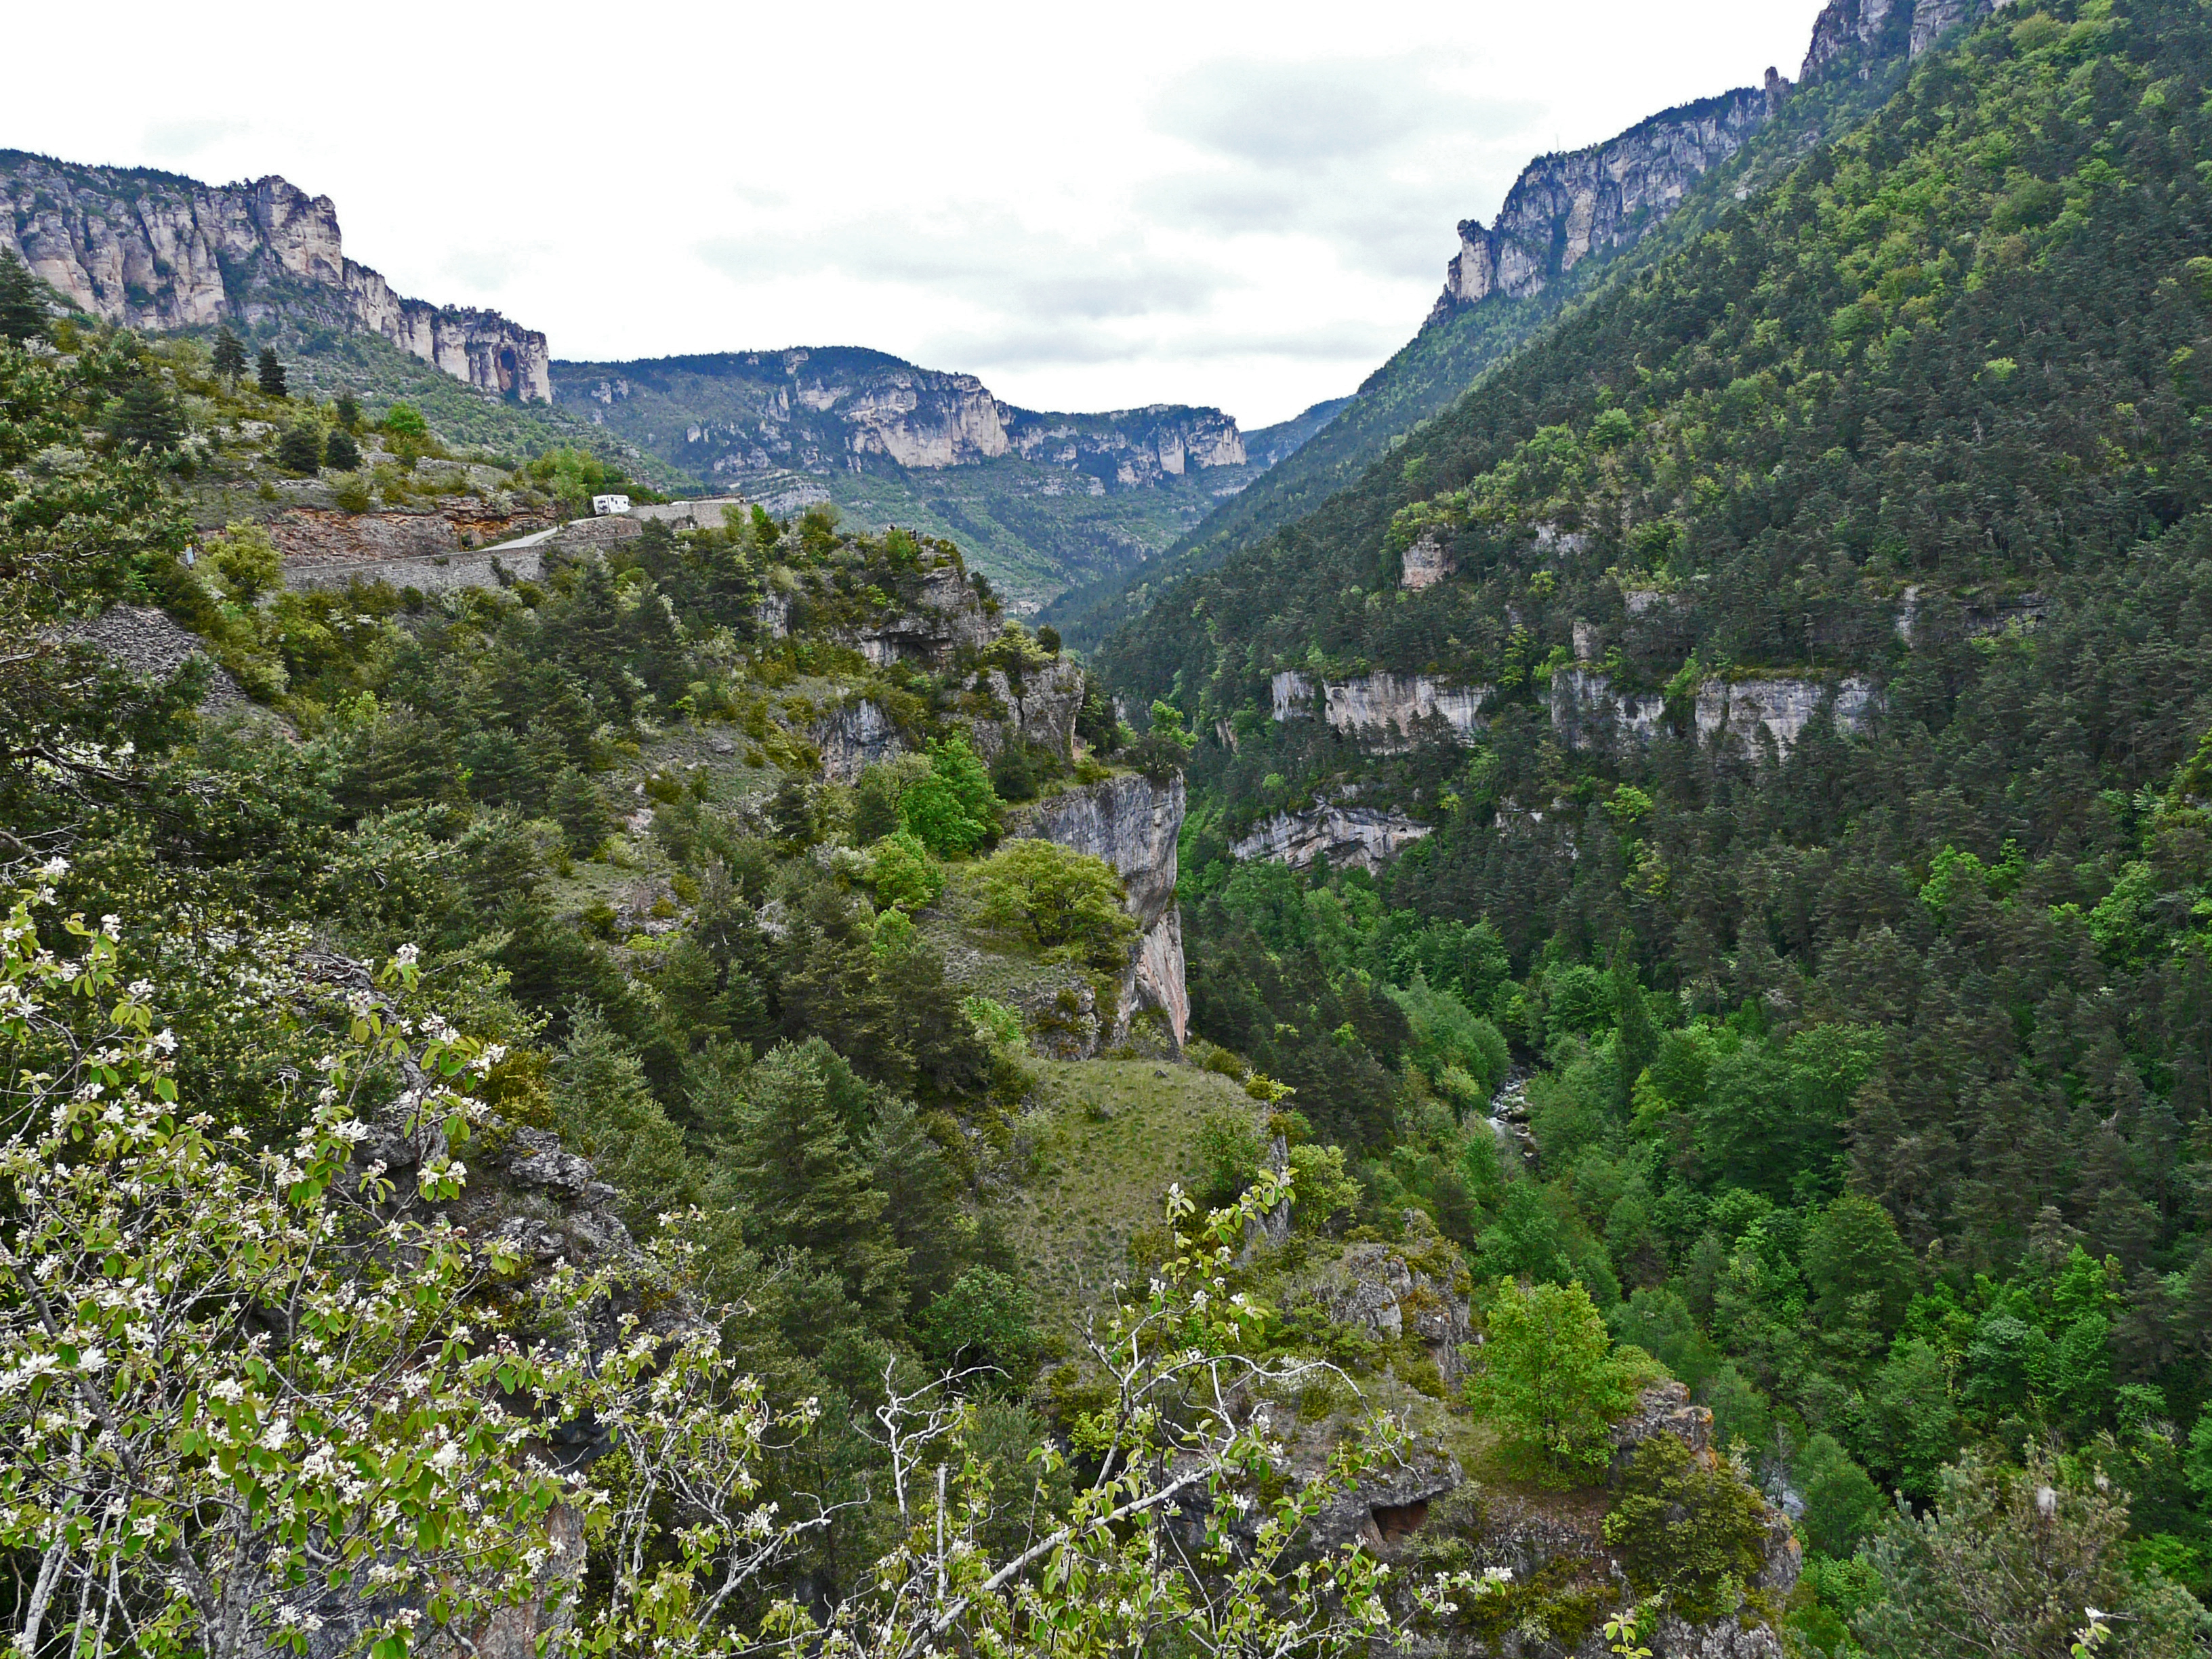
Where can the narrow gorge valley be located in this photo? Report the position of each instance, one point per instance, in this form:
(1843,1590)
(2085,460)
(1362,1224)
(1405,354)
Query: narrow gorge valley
(761,1002)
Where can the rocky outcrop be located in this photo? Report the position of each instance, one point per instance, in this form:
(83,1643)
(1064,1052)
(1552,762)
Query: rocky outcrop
(1588,712)
(1857,36)
(1390,712)
(1395,1292)
(155,251)
(1130,447)
(1565,209)
(153,645)
(1425,563)
(1041,705)
(1387,713)
(1355,835)
(917,418)
(855,736)
(1131,824)
(946,615)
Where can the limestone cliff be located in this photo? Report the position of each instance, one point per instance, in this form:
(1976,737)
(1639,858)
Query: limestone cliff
(1385,712)
(740,415)
(156,251)
(1854,36)
(1565,209)
(1588,712)
(1131,823)
(1358,837)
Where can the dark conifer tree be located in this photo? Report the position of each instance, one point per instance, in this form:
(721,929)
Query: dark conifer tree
(270,374)
(229,356)
(300,449)
(22,312)
(341,453)
(146,417)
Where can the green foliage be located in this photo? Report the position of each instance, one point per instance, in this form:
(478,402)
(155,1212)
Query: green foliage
(604,1109)
(1461,1052)
(953,809)
(269,374)
(1549,1381)
(22,310)
(1842,1505)
(145,417)
(1321,1189)
(299,449)
(403,420)
(984,1320)
(228,358)
(1691,1529)
(1068,904)
(577,804)
(904,874)
(342,453)
(2005,1561)
(1229,1154)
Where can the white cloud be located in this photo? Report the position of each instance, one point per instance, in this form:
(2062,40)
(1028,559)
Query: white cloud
(1248,203)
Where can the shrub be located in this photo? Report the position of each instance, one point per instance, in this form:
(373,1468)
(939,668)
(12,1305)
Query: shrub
(905,876)
(1688,1529)
(1067,903)
(406,420)
(1227,1157)
(985,1319)
(341,453)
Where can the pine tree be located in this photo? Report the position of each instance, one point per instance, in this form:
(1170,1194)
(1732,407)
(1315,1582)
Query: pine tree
(791,1165)
(349,410)
(300,449)
(145,418)
(342,454)
(229,356)
(270,374)
(22,312)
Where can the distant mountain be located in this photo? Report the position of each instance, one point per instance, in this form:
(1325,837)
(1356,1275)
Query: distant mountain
(1038,499)
(156,250)
(1568,226)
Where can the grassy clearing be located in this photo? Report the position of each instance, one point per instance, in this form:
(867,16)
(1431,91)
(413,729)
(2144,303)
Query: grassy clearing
(1108,1138)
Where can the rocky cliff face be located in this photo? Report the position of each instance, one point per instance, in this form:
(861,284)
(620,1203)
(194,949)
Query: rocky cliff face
(156,251)
(1859,34)
(1387,713)
(736,414)
(1131,446)
(1131,824)
(1564,209)
(1589,713)
(1346,836)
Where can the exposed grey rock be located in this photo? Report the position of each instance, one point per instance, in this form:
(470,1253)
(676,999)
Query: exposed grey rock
(1356,836)
(151,250)
(1388,712)
(1041,709)
(1425,563)
(855,736)
(1860,35)
(153,645)
(947,615)
(1131,824)
(1373,1287)
(1589,713)
(1564,209)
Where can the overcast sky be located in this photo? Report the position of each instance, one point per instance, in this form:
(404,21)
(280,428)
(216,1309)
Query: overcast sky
(1247,205)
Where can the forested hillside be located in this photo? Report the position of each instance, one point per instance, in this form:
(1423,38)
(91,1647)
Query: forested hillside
(1605,1052)
(1914,443)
